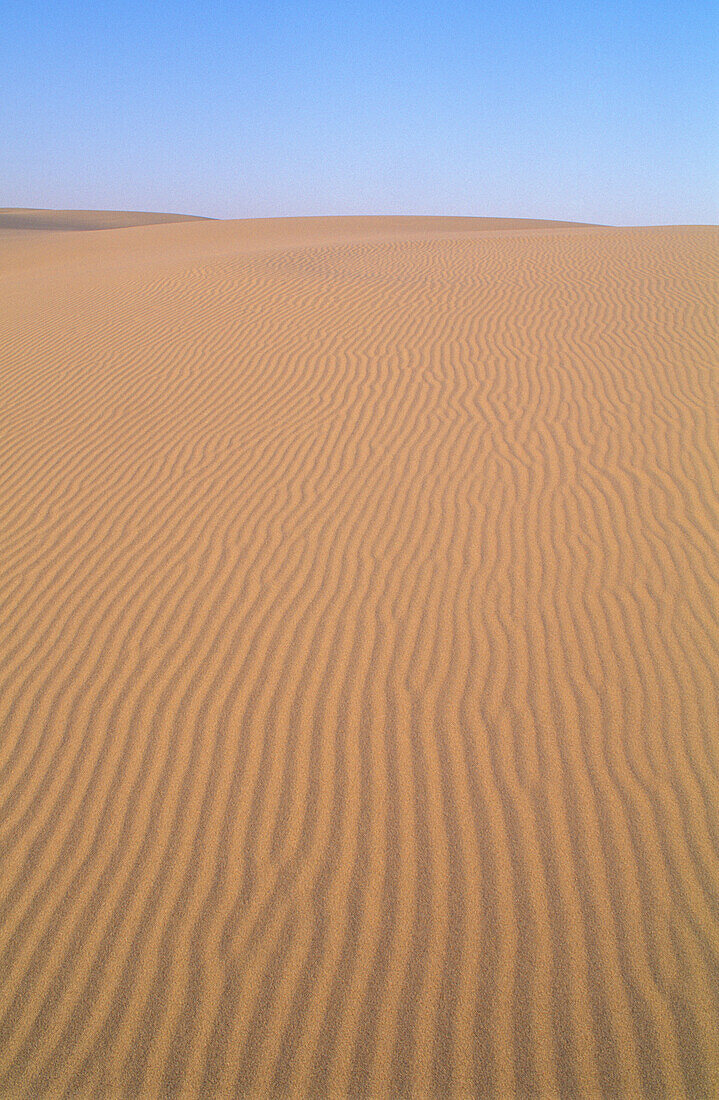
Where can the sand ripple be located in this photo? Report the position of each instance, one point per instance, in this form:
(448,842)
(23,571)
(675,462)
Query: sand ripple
(359,662)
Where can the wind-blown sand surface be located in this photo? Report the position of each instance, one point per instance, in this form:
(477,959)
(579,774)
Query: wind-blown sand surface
(359,660)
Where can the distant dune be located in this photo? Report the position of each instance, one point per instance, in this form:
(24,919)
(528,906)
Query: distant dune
(359,658)
(83,219)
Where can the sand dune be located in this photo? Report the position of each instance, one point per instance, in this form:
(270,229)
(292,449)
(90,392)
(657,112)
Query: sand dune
(359,656)
(25,219)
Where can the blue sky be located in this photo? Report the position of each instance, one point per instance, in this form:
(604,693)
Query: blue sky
(594,111)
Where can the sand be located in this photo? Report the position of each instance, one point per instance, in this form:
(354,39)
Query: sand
(359,660)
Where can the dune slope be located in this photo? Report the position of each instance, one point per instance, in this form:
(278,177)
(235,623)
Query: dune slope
(359,661)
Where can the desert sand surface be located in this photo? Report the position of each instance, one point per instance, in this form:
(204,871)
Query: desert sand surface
(359,660)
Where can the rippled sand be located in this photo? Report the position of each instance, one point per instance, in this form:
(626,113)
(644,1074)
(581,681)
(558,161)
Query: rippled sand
(359,659)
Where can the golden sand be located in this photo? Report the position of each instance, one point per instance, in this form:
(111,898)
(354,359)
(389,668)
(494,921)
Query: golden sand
(359,659)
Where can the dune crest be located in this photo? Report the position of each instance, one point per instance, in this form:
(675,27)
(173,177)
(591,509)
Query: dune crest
(359,658)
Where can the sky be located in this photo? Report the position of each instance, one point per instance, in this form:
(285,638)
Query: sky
(591,110)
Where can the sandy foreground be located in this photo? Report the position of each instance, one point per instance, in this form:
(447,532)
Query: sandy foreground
(359,658)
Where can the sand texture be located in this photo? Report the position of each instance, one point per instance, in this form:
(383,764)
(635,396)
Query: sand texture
(359,660)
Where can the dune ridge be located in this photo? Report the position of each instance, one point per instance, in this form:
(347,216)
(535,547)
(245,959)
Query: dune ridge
(358,661)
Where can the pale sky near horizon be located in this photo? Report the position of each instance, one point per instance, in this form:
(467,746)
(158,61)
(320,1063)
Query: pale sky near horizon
(588,111)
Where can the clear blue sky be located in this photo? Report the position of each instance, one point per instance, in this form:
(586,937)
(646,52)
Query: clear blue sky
(595,110)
